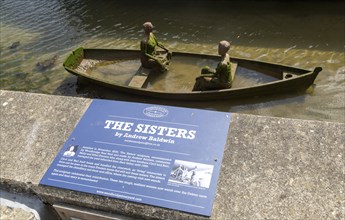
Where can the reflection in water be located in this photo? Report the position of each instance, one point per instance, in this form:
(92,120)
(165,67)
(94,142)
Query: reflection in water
(301,34)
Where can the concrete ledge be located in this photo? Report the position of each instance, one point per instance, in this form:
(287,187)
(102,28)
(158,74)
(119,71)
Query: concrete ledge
(273,168)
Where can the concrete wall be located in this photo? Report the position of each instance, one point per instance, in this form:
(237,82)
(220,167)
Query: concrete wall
(273,168)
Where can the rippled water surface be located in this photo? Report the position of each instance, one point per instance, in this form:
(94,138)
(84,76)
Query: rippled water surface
(37,35)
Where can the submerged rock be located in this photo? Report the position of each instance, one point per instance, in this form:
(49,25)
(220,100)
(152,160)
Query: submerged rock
(21,75)
(14,45)
(46,64)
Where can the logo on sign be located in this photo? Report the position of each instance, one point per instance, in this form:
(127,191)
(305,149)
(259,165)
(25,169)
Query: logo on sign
(155,112)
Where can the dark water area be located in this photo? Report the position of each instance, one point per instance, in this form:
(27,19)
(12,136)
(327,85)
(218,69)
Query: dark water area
(36,36)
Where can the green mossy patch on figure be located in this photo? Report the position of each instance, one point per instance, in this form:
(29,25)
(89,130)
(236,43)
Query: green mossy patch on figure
(74,59)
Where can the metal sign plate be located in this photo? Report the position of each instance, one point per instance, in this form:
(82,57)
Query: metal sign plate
(158,155)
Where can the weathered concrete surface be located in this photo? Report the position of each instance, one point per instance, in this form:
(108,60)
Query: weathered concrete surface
(273,168)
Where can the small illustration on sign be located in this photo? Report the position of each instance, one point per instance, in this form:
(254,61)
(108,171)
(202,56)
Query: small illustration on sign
(71,151)
(190,173)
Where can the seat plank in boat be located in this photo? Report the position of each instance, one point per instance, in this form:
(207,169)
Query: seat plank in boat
(139,79)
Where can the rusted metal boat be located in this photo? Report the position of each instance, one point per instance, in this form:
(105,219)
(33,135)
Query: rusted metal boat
(121,71)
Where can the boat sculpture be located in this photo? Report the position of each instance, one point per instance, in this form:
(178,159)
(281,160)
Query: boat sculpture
(121,70)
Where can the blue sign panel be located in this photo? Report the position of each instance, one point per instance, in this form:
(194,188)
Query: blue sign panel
(153,154)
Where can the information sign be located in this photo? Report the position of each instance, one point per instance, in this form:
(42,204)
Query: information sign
(153,154)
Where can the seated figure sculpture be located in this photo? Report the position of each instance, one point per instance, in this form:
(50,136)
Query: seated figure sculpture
(150,57)
(220,78)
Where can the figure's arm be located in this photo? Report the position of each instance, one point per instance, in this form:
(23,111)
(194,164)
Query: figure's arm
(152,57)
(223,72)
(160,44)
(221,68)
(208,75)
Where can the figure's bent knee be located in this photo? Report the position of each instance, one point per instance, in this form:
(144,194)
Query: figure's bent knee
(205,70)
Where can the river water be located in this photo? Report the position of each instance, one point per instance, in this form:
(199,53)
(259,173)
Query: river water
(37,35)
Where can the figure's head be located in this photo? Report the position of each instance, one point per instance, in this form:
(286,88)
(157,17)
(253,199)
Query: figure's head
(148,27)
(223,47)
(71,148)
